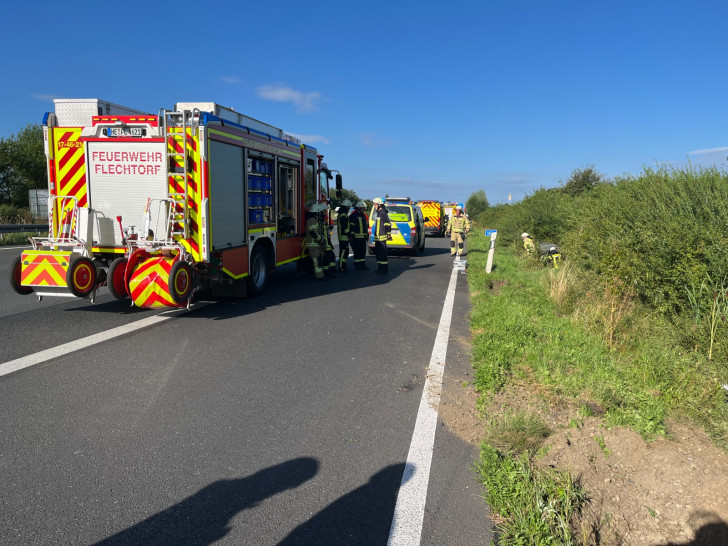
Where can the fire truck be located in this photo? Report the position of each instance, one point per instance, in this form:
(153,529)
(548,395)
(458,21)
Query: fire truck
(157,206)
(436,221)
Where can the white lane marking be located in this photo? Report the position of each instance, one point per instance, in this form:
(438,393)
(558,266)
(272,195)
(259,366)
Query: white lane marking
(409,512)
(61,350)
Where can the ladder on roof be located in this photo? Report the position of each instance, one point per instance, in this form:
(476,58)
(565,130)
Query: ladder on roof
(178,129)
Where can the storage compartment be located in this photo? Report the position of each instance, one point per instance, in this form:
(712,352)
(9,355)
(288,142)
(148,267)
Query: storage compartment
(255,216)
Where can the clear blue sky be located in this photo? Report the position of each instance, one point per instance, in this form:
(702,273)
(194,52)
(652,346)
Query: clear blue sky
(432,100)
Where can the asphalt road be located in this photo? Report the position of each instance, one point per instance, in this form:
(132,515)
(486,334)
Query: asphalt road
(284,419)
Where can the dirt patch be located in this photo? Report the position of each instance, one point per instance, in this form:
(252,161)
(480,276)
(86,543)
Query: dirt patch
(672,491)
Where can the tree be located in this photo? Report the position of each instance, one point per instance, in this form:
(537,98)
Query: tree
(476,204)
(582,180)
(345,194)
(22,165)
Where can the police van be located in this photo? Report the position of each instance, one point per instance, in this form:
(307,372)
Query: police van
(408,225)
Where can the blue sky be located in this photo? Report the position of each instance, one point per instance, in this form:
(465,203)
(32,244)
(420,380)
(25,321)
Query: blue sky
(432,100)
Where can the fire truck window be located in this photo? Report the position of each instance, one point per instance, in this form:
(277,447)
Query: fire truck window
(310,182)
(287,176)
(324,179)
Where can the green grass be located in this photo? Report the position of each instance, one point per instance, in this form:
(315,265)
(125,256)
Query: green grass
(534,506)
(572,338)
(11,239)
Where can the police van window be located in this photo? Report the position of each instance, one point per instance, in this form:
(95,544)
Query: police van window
(399,213)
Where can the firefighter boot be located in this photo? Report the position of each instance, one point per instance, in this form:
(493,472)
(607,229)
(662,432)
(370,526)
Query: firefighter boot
(383,269)
(343,268)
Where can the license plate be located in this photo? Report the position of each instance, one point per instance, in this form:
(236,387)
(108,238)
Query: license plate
(395,232)
(125,131)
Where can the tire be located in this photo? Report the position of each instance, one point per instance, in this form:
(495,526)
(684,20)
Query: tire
(81,276)
(258,272)
(116,278)
(180,282)
(15,275)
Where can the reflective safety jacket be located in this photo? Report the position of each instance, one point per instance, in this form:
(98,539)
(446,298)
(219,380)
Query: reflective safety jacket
(458,224)
(343,227)
(382,226)
(314,236)
(358,225)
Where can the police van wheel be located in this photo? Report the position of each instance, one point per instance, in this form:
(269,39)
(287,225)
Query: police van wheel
(81,276)
(15,272)
(258,272)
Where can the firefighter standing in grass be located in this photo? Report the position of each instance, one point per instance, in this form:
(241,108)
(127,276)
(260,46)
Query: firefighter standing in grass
(382,233)
(528,245)
(457,227)
(358,225)
(315,242)
(343,229)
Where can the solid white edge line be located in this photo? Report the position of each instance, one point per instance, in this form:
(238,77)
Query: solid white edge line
(409,512)
(61,350)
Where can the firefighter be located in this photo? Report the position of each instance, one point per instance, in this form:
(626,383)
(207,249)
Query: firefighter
(528,245)
(457,227)
(358,225)
(315,241)
(344,232)
(382,232)
(329,257)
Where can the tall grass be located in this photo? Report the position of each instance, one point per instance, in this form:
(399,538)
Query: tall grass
(593,341)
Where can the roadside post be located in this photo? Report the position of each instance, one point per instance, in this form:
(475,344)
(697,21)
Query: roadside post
(492,233)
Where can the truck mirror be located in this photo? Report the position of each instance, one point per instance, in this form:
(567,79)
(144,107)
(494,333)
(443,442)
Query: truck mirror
(339,183)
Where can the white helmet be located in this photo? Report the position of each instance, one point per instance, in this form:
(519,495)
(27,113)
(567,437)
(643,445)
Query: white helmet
(361,205)
(524,234)
(346,203)
(318,207)
(378,201)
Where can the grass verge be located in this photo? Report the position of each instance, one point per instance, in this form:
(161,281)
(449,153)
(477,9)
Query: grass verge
(572,338)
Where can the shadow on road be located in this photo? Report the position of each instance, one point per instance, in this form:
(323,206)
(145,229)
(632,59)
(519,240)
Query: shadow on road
(363,516)
(204,517)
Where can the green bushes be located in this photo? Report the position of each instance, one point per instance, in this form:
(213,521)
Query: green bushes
(654,235)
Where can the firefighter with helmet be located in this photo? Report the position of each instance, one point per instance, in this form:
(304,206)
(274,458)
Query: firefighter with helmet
(344,233)
(315,238)
(457,227)
(528,245)
(358,225)
(382,232)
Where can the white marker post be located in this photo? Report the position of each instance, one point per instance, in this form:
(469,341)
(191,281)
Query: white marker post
(492,233)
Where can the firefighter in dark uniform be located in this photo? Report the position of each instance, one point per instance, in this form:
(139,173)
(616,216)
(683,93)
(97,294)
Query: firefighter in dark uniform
(329,257)
(315,242)
(343,230)
(382,232)
(359,225)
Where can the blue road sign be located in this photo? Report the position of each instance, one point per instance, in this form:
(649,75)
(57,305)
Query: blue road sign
(490,232)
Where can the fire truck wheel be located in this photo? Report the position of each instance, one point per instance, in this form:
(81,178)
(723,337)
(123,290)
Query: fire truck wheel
(15,272)
(81,276)
(258,278)
(180,282)
(116,278)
